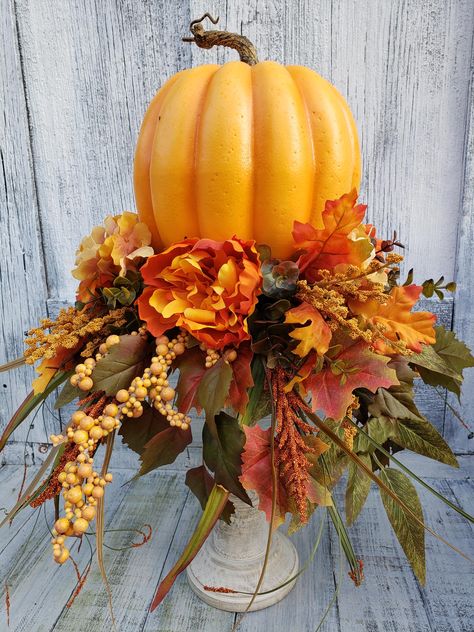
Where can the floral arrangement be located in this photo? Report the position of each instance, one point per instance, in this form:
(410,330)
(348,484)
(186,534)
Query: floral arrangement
(303,367)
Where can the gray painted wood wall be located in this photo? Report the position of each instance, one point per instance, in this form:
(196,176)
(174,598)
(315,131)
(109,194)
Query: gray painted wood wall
(76,77)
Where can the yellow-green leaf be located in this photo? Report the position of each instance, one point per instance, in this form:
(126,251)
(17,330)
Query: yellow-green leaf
(410,533)
(357,490)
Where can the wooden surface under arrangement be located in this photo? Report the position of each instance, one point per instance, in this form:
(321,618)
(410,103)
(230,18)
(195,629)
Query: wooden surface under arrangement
(390,599)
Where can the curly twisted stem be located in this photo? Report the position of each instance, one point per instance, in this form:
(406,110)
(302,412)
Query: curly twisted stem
(208,39)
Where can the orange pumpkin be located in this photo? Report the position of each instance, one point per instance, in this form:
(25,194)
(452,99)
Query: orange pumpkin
(243,150)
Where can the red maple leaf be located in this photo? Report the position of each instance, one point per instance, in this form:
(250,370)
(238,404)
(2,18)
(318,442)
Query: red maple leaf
(242,379)
(257,473)
(336,243)
(192,368)
(356,366)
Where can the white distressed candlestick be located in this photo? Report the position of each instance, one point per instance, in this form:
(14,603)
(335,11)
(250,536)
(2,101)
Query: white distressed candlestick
(233,556)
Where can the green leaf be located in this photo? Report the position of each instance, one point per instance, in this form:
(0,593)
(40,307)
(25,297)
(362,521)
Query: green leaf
(410,534)
(422,437)
(201,483)
(259,405)
(223,443)
(214,388)
(215,505)
(357,490)
(380,448)
(68,394)
(346,545)
(396,402)
(163,447)
(32,491)
(443,363)
(121,364)
(29,404)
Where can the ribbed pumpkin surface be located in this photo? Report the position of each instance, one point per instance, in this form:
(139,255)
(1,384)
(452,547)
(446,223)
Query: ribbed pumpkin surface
(240,150)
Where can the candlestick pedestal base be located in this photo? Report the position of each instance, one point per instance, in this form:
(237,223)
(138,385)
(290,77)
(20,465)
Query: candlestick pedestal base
(232,560)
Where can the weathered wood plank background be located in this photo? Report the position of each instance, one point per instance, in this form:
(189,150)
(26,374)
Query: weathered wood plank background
(76,77)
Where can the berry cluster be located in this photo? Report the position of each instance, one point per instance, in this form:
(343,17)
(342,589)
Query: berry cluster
(82,486)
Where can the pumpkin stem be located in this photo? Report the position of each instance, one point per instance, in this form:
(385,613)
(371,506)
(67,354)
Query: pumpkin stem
(208,39)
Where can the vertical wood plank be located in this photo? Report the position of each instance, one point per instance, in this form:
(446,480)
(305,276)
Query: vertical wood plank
(404,67)
(23,288)
(459,437)
(91,68)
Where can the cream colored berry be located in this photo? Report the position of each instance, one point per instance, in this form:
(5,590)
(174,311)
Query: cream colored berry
(122,396)
(80,436)
(86,384)
(88,513)
(61,525)
(112,340)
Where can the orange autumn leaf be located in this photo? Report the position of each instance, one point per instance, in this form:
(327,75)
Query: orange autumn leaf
(303,371)
(257,473)
(399,322)
(343,240)
(49,366)
(314,335)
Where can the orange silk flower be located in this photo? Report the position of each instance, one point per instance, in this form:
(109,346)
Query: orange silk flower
(209,288)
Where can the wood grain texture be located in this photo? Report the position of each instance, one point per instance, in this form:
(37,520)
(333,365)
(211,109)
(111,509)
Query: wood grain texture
(23,289)
(89,69)
(390,600)
(462,440)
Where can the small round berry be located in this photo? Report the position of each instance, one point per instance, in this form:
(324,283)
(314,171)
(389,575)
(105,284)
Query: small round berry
(80,526)
(86,423)
(179,348)
(108,423)
(103,349)
(98,492)
(61,525)
(231,355)
(96,433)
(88,513)
(74,379)
(80,368)
(77,416)
(112,340)
(84,470)
(86,384)
(74,495)
(167,394)
(122,396)
(111,410)
(141,392)
(161,349)
(63,557)
(162,340)
(80,436)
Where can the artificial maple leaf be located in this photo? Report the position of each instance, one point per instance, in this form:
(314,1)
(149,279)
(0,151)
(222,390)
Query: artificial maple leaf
(257,473)
(397,319)
(315,335)
(241,379)
(343,240)
(311,363)
(355,366)
(192,368)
